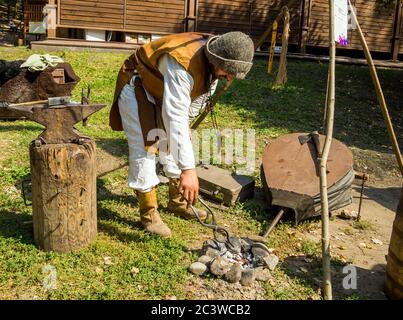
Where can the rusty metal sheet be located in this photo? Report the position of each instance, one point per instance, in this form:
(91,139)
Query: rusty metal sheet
(291,170)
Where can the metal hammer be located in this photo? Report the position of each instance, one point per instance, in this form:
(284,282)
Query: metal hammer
(51,101)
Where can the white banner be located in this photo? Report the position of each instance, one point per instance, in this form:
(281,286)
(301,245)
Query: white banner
(340,22)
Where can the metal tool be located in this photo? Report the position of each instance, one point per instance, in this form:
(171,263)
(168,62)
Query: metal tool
(273,223)
(85,99)
(313,136)
(51,101)
(364,177)
(213,225)
(59,120)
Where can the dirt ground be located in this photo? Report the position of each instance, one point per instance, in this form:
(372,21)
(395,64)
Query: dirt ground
(364,246)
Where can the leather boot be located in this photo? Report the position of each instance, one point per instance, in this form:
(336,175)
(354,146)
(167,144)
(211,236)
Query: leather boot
(149,215)
(177,205)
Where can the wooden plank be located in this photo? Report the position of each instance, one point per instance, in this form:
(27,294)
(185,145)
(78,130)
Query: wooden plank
(150,19)
(90,19)
(136,14)
(175,14)
(79,14)
(157,4)
(174,26)
(87,4)
(71,7)
(154,9)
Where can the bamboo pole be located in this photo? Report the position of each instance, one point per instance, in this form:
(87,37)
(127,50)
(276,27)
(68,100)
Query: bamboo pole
(327,281)
(379,92)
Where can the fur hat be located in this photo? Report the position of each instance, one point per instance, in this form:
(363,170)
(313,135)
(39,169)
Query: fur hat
(232,52)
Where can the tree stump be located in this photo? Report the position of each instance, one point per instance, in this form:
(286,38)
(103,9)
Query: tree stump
(64,195)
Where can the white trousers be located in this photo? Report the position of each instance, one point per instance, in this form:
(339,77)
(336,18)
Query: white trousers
(142,164)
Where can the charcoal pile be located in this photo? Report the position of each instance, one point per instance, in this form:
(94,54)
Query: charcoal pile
(236,260)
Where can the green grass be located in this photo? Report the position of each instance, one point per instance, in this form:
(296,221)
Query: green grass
(252,103)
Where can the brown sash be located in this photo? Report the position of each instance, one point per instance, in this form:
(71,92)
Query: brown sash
(150,114)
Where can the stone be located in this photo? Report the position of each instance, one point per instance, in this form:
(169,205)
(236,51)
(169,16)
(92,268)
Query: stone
(212,252)
(347,215)
(271,261)
(263,274)
(205,259)
(198,268)
(259,252)
(220,266)
(246,244)
(213,248)
(234,274)
(234,245)
(248,276)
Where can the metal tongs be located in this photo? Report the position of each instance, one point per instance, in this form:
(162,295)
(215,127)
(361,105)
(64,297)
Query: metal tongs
(217,230)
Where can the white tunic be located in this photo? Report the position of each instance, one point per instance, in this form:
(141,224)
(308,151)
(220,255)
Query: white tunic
(177,111)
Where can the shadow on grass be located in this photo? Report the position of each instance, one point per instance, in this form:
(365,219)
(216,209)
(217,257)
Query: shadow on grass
(17,226)
(114,146)
(308,270)
(107,216)
(299,105)
(10,126)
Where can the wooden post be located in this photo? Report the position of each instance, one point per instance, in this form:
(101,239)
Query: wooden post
(394,266)
(191,14)
(327,281)
(64,203)
(51,11)
(397,30)
(305,12)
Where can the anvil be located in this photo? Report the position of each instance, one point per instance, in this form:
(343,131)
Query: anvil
(58,120)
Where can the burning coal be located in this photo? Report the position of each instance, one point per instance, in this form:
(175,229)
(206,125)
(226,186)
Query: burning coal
(236,260)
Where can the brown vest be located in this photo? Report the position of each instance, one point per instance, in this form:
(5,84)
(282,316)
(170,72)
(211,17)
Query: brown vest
(185,48)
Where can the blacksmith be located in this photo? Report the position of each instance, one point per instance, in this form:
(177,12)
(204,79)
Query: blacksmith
(161,86)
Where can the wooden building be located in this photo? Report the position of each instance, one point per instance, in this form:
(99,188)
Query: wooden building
(138,21)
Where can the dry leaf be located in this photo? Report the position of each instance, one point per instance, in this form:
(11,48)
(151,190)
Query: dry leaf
(108,261)
(134,270)
(99,270)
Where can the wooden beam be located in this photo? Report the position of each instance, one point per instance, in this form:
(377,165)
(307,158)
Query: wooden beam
(397,30)
(305,13)
(191,15)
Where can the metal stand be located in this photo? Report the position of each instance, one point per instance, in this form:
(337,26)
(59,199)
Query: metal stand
(273,223)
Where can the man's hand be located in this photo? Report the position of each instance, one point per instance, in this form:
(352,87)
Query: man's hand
(189,186)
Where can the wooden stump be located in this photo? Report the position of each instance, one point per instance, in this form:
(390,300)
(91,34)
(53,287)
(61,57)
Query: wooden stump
(64,195)
(394,266)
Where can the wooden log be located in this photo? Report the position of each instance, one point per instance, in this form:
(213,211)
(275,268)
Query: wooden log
(64,195)
(394,266)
